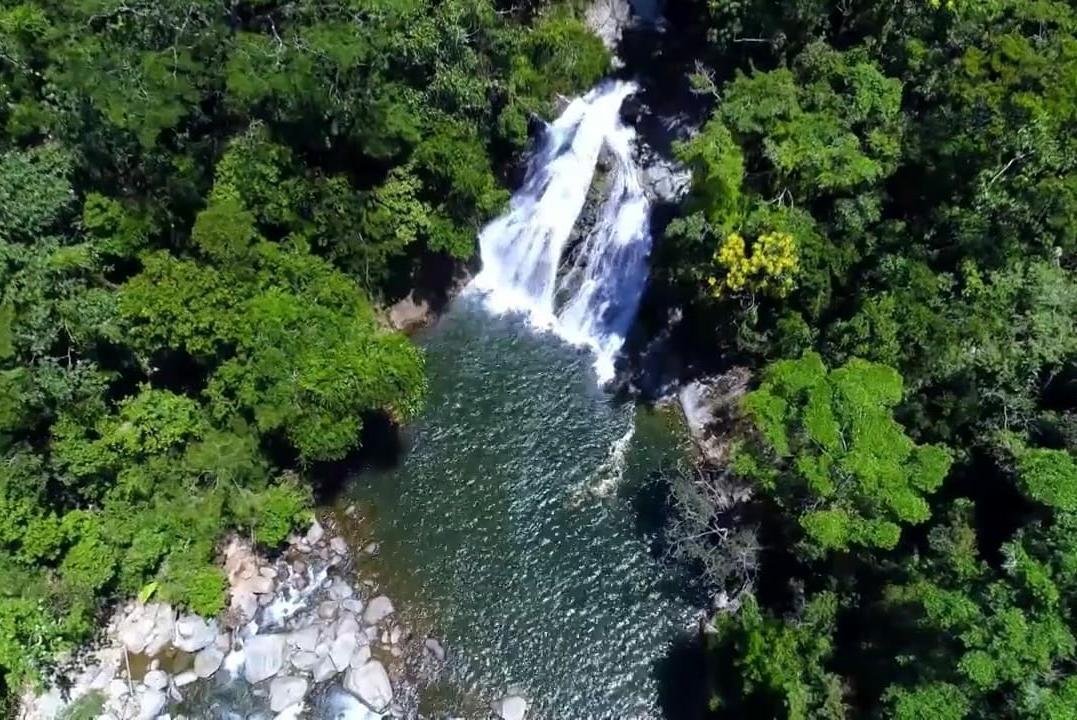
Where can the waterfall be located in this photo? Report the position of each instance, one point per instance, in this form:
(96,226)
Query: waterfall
(594,302)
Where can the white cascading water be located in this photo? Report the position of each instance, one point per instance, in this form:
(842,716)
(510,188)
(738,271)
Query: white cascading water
(594,303)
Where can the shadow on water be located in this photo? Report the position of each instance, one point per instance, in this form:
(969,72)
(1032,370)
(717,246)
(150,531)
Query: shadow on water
(683,686)
(381,449)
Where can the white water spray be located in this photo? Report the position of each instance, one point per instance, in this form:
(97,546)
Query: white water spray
(594,303)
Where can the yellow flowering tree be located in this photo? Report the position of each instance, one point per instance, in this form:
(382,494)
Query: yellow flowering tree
(768,267)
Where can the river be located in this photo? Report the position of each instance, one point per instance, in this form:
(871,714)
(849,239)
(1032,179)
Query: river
(515,524)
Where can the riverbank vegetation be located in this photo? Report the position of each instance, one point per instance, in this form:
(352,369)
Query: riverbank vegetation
(202,206)
(911,443)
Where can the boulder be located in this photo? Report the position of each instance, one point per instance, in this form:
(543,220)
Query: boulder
(156,680)
(338,546)
(327,609)
(192,633)
(151,704)
(352,605)
(340,590)
(360,656)
(324,670)
(305,639)
(208,661)
(147,628)
(340,652)
(285,691)
(185,678)
(377,610)
(264,657)
(510,707)
(304,660)
(315,534)
(370,683)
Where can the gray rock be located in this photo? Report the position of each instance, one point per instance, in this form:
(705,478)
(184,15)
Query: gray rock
(360,656)
(340,590)
(370,683)
(396,635)
(435,649)
(304,660)
(208,661)
(371,548)
(147,628)
(192,633)
(305,638)
(285,691)
(156,680)
(510,707)
(324,670)
(347,625)
(315,534)
(265,657)
(352,605)
(377,610)
(150,704)
(340,652)
(327,610)
(338,546)
(185,678)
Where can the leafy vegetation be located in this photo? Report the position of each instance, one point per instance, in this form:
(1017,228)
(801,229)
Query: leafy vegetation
(911,444)
(202,205)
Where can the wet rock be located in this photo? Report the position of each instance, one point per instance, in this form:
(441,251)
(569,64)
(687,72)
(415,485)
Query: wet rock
(147,628)
(377,610)
(208,661)
(340,652)
(304,660)
(435,649)
(315,534)
(156,680)
(192,633)
(347,625)
(352,605)
(327,610)
(265,657)
(338,546)
(370,683)
(408,314)
(340,590)
(361,655)
(372,548)
(150,704)
(324,670)
(185,678)
(510,707)
(285,691)
(305,638)
(396,635)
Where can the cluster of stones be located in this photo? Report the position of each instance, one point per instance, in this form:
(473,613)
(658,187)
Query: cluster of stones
(326,632)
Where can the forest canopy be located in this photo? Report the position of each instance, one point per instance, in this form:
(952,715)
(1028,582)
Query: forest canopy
(203,208)
(910,443)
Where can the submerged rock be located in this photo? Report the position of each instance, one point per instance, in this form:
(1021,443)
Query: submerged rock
(510,707)
(370,683)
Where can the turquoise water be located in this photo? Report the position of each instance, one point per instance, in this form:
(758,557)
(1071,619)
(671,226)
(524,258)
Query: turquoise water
(513,525)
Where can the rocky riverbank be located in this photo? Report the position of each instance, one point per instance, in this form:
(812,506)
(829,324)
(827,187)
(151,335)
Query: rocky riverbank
(304,635)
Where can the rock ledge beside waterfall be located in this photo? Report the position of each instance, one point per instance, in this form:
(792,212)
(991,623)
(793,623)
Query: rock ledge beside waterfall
(302,634)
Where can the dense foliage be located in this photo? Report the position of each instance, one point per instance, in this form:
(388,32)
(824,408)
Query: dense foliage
(201,204)
(917,499)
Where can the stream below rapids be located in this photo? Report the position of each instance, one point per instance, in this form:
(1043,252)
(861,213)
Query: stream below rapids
(517,524)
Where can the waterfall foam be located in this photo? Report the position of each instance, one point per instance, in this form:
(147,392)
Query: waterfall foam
(594,303)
